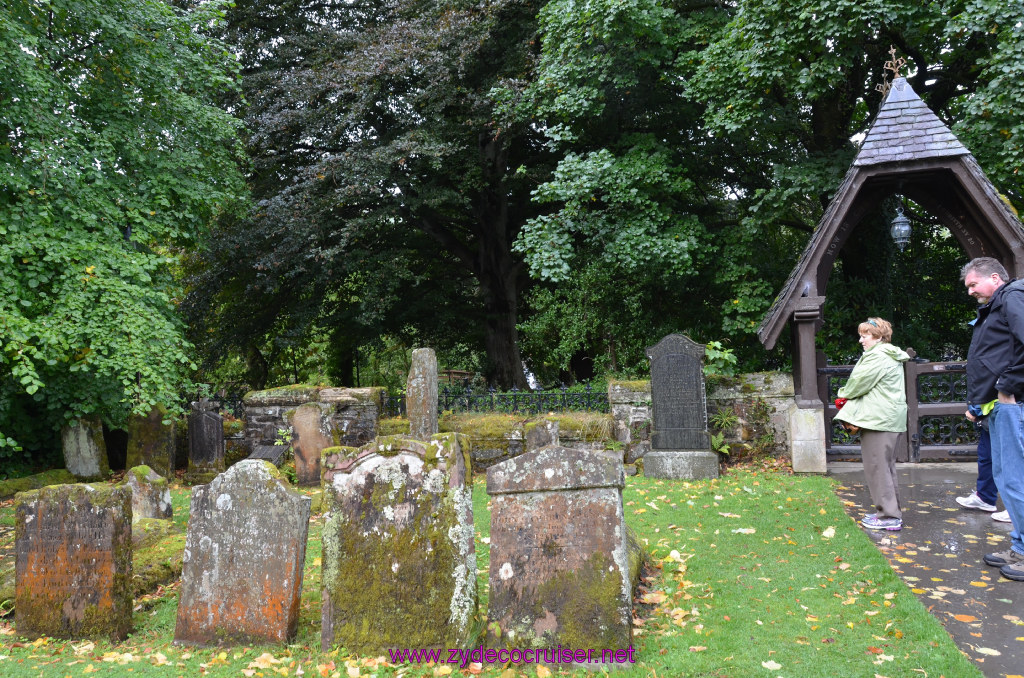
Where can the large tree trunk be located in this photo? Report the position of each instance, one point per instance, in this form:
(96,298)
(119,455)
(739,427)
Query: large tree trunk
(502,337)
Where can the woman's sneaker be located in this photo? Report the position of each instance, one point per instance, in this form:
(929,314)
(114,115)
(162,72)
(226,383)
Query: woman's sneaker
(873,522)
(975,502)
(1002,517)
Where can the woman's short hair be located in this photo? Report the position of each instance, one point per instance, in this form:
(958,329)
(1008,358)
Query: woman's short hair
(877,328)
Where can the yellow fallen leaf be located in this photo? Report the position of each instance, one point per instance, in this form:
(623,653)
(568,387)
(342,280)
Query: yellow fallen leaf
(980,584)
(771,665)
(543,672)
(829,532)
(443,670)
(988,651)
(264,661)
(90,669)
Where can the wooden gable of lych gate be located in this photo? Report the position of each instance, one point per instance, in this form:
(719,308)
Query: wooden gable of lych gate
(909,151)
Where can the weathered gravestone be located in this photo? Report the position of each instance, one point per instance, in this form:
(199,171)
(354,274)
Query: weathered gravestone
(272,453)
(310,436)
(73,562)
(205,442)
(151,442)
(560,567)
(244,552)
(85,453)
(399,561)
(151,496)
(421,394)
(540,434)
(680,446)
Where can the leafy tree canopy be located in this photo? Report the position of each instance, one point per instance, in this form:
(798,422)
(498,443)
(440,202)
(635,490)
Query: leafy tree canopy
(113,157)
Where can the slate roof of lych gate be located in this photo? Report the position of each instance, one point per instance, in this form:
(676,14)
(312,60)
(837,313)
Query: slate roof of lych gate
(905,136)
(906,129)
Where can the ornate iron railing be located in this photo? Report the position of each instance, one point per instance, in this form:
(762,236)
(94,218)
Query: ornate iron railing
(457,399)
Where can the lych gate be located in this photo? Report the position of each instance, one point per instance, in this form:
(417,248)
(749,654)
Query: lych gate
(908,151)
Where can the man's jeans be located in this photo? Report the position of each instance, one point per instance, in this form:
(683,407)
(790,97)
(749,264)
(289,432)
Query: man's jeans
(1006,425)
(986,483)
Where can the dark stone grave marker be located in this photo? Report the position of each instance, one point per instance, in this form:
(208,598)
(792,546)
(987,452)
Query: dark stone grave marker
(680,445)
(151,442)
(205,442)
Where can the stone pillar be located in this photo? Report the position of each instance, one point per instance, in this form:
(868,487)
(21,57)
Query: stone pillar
(807,439)
(421,394)
(85,453)
(244,555)
(560,572)
(73,562)
(399,560)
(680,444)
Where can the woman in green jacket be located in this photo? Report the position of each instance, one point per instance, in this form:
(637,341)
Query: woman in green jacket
(876,402)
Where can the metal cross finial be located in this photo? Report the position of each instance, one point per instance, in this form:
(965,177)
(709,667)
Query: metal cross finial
(895,65)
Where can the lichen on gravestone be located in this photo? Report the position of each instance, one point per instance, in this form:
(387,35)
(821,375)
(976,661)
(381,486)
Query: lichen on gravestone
(399,560)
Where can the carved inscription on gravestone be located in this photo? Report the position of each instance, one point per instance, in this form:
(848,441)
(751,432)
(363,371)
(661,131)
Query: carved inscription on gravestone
(244,553)
(560,572)
(678,399)
(73,562)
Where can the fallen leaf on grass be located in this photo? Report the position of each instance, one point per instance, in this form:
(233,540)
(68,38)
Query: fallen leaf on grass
(771,664)
(829,532)
(744,530)
(264,661)
(697,648)
(543,672)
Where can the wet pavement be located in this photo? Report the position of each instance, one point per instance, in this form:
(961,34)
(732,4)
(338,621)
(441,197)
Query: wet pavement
(939,556)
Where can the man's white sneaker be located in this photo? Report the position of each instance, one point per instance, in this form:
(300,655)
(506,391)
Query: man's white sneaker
(975,502)
(1002,517)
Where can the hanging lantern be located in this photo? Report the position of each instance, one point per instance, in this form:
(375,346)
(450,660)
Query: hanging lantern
(900,229)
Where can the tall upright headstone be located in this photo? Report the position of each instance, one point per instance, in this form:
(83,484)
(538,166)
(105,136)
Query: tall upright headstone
(560,564)
(421,394)
(310,437)
(205,442)
(399,560)
(85,453)
(151,442)
(244,553)
(73,562)
(680,445)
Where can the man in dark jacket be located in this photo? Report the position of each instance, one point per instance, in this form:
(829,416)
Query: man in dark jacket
(995,385)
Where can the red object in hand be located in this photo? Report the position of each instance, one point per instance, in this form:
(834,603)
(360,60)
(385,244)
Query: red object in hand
(840,402)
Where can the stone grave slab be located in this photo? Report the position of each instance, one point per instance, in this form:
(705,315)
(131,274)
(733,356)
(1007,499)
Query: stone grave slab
(205,442)
(560,564)
(151,496)
(399,560)
(151,442)
(85,453)
(272,453)
(73,562)
(421,394)
(244,553)
(680,444)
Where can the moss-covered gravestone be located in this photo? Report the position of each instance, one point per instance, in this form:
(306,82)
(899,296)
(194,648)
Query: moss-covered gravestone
(244,552)
(73,562)
(85,452)
(399,562)
(151,442)
(560,572)
(151,496)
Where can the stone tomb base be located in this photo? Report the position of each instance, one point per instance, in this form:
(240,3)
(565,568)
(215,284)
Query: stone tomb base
(681,464)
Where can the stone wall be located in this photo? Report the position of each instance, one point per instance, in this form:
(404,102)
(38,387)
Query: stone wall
(349,414)
(760,402)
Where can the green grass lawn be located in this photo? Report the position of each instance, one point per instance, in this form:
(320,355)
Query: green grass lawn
(758,573)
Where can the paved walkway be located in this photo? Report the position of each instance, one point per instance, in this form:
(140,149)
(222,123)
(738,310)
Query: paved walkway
(939,555)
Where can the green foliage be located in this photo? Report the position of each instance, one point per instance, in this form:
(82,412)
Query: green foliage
(114,157)
(719,361)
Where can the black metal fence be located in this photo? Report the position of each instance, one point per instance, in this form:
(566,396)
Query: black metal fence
(456,399)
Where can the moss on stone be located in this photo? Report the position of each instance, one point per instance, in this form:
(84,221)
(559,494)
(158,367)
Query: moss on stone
(390,426)
(584,426)
(488,426)
(293,393)
(639,385)
(158,557)
(233,427)
(369,578)
(60,476)
(586,602)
